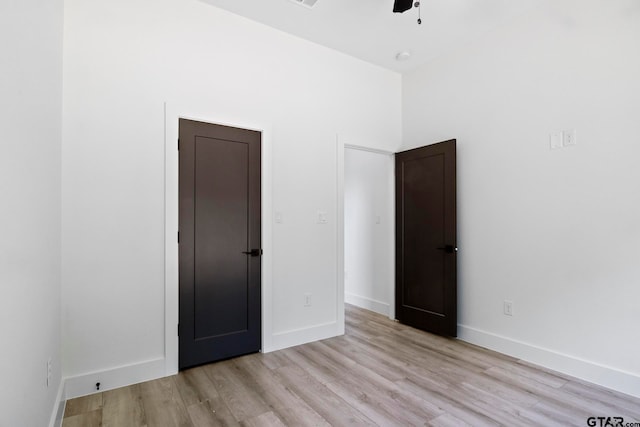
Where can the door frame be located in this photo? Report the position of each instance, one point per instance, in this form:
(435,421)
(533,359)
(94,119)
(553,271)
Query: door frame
(342,144)
(174,111)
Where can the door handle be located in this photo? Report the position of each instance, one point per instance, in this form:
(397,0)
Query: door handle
(448,249)
(254,252)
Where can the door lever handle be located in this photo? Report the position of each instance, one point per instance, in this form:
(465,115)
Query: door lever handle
(448,249)
(254,252)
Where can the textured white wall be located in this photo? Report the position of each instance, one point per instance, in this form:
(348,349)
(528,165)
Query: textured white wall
(368,230)
(555,231)
(123,59)
(30,125)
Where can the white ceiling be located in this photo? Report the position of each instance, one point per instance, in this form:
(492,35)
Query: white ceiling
(369,30)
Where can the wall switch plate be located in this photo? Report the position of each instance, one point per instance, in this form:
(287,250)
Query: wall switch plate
(555,140)
(377,219)
(508,308)
(322,217)
(569,138)
(279,218)
(307,300)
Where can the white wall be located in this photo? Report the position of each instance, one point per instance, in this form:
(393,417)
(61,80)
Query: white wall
(368,230)
(123,59)
(30,125)
(555,231)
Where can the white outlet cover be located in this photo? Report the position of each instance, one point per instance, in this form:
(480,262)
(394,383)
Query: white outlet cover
(569,138)
(49,371)
(279,218)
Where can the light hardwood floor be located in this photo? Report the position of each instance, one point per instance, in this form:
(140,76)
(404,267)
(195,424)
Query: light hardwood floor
(379,373)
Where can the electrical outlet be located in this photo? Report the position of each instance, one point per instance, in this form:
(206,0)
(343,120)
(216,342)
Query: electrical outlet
(49,371)
(322,217)
(508,308)
(307,300)
(569,138)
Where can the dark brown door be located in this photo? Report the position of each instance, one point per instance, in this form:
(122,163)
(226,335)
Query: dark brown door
(426,251)
(220,245)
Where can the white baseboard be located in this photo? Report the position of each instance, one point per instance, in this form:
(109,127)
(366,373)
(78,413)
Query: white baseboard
(606,376)
(82,385)
(57,413)
(304,335)
(85,384)
(367,303)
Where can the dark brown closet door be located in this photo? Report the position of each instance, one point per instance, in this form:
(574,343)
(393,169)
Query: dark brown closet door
(220,247)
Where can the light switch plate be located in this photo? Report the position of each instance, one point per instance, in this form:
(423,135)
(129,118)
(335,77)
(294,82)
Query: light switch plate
(508,308)
(555,140)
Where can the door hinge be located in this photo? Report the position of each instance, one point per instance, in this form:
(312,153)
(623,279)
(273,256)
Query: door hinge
(178,144)
(178,329)
(178,237)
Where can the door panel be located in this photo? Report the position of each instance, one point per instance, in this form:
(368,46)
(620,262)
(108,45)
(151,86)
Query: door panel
(219,222)
(425,225)
(220,237)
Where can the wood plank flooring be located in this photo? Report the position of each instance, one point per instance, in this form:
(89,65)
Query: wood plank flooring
(379,373)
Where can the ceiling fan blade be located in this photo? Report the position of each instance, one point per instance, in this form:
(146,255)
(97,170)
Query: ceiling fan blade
(400,6)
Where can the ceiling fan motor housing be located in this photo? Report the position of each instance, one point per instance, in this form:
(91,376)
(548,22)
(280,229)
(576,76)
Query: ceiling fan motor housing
(400,6)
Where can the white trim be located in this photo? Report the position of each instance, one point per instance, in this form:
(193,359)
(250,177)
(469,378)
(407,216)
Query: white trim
(173,112)
(340,235)
(607,376)
(342,144)
(367,303)
(57,413)
(85,384)
(305,335)
(391,188)
(369,149)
